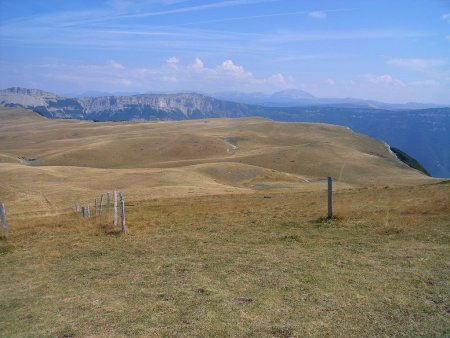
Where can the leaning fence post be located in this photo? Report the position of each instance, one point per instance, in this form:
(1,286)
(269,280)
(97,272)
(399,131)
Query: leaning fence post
(4,221)
(330,197)
(115,209)
(122,207)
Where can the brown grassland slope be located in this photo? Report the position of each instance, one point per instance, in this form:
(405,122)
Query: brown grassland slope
(226,232)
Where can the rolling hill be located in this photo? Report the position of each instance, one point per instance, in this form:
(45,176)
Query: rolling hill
(424,134)
(225,225)
(196,157)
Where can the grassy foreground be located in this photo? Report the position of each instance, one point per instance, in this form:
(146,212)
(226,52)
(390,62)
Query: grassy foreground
(236,265)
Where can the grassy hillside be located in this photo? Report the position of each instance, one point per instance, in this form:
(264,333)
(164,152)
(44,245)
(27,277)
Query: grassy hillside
(423,133)
(227,235)
(56,162)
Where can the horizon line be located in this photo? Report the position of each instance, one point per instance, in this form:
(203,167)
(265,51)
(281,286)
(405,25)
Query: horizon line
(179,92)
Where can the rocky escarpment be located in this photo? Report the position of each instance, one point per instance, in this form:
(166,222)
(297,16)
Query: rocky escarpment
(24,97)
(135,107)
(45,103)
(160,106)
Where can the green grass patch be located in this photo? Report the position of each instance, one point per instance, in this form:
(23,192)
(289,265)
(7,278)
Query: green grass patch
(409,160)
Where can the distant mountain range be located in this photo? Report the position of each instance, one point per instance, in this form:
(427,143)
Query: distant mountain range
(422,133)
(296,98)
(123,108)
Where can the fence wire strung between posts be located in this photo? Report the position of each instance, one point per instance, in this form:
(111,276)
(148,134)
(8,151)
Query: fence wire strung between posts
(100,208)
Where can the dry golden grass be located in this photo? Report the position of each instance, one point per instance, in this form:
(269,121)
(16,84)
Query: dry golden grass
(49,164)
(297,148)
(236,265)
(222,241)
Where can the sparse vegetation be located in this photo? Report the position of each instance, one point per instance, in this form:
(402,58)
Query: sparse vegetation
(236,266)
(215,246)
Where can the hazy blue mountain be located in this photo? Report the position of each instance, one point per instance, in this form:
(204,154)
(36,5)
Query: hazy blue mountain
(300,98)
(283,98)
(93,93)
(422,133)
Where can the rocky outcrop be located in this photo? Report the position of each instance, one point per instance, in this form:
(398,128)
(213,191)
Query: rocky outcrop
(27,98)
(135,107)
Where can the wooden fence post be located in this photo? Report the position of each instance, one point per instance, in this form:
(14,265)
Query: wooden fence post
(115,209)
(96,208)
(4,221)
(88,211)
(330,197)
(83,212)
(101,204)
(108,202)
(122,207)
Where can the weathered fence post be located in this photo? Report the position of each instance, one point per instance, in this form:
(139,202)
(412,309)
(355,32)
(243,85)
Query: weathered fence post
(115,209)
(83,212)
(88,211)
(108,202)
(4,221)
(122,207)
(330,197)
(96,208)
(101,204)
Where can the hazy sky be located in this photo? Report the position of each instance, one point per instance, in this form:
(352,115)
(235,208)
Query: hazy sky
(390,50)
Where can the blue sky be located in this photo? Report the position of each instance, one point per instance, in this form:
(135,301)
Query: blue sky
(395,51)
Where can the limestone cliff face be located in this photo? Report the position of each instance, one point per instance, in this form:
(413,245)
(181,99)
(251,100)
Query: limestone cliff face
(26,98)
(184,103)
(136,107)
(47,104)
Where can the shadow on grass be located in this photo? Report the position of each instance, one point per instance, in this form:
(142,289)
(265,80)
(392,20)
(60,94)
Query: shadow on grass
(110,229)
(326,221)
